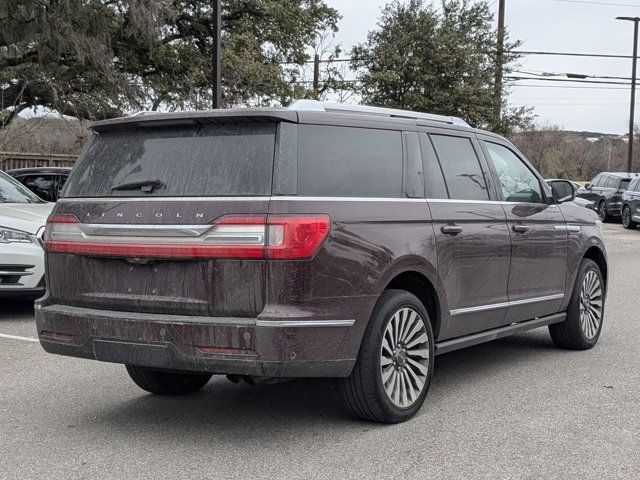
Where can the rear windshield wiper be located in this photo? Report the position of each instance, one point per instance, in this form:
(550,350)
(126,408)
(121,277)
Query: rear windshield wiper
(147,185)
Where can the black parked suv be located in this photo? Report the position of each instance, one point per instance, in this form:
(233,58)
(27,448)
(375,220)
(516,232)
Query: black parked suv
(46,182)
(605,190)
(321,240)
(631,204)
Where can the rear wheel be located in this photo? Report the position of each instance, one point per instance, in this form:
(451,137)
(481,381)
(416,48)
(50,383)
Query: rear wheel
(167,383)
(626,218)
(581,329)
(392,375)
(602,211)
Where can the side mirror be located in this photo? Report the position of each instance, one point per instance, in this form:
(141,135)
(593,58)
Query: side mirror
(588,186)
(563,191)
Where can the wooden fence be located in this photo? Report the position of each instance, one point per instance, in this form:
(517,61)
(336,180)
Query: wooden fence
(11,160)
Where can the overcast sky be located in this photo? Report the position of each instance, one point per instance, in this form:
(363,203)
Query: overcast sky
(550,25)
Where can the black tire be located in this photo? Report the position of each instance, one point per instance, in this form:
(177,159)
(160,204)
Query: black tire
(603,213)
(167,383)
(364,391)
(626,218)
(570,334)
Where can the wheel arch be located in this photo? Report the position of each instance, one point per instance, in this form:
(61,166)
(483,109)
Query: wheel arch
(597,255)
(418,284)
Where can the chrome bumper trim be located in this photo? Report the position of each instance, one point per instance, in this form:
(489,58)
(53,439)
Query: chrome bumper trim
(304,323)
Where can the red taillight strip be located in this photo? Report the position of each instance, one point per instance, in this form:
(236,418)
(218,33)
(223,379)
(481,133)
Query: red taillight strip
(292,237)
(62,219)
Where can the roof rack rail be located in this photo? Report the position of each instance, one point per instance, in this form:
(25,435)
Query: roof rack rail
(331,107)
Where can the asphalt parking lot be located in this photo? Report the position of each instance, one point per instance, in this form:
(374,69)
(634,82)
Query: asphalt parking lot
(514,408)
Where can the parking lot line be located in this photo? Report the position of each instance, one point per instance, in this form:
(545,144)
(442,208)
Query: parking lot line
(15,337)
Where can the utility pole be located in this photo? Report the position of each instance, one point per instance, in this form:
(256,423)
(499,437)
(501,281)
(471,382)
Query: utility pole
(216,60)
(635,20)
(316,76)
(497,106)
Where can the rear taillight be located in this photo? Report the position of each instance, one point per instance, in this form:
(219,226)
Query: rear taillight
(240,237)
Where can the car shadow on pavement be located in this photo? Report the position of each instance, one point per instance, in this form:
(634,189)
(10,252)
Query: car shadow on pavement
(16,308)
(235,410)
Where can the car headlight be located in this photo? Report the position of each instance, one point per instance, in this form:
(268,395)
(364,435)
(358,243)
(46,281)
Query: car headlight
(9,235)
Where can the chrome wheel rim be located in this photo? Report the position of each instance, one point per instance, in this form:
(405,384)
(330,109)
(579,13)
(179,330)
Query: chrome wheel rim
(602,211)
(591,305)
(404,357)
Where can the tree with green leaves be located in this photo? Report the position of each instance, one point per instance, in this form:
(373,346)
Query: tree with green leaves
(94,59)
(438,60)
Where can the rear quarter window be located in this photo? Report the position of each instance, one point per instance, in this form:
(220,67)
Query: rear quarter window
(208,160)
(349,162)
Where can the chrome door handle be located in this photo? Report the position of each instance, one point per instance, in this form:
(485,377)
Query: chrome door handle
(451,229)
(521,228)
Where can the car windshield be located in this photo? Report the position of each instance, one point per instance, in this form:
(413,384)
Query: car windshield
(12,191)
(624,184)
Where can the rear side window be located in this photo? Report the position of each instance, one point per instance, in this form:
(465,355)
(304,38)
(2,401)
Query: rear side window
(41,185)
(349,162)
(461,168)
(208,160)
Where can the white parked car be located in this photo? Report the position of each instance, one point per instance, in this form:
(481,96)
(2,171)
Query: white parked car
(22,220)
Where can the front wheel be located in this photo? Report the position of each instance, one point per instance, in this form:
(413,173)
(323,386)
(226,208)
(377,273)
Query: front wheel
(167,383)
(582,327)
(626,218)
(392,375)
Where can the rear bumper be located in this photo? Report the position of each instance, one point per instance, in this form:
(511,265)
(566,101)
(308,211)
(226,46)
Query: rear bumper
(240,346)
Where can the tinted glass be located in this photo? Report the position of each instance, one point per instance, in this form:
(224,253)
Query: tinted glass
(435,186)
(209,160)
(637,187)
(596,181)
(624,184)
(349,162)
(62,181)
(12,191)
(413,176)
(41,185)
(461,167)
(517,182)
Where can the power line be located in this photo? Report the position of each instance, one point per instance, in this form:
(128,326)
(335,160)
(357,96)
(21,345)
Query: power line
(604,4)
(572,54)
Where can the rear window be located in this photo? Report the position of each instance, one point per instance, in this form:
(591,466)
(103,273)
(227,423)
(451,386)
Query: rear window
(349,162)
(208,160)
(624,184)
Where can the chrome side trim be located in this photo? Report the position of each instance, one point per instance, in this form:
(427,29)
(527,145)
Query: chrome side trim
(496,306)
(568,228)
(304,323)
(346,199)
(161,199)
(283,198)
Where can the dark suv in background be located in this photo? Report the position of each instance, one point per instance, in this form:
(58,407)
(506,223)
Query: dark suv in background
(605,190)
(321,240)
(46,182)
(631,204)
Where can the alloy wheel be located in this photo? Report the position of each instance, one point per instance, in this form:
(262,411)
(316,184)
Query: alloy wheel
(591,304)
(404,357)
(602,211)
(626,217)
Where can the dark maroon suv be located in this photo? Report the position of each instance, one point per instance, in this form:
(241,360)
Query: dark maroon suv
(316,241)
